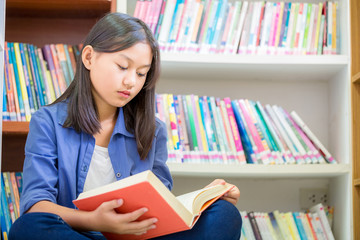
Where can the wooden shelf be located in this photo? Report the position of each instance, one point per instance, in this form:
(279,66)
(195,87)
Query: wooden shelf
(356,182)
(356,78)
(15,128)
(259,171)
(58,8)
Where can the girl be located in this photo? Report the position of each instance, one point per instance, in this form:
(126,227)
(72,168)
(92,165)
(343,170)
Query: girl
(103,129)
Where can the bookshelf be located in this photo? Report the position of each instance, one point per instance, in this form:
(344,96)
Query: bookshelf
(317,87)
(2,33)
(40,22)
(355,101)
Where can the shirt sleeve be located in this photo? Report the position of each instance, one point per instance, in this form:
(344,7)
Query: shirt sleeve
(160,169)
(40,174)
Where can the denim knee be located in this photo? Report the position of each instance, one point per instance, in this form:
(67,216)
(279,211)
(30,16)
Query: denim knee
(40,225)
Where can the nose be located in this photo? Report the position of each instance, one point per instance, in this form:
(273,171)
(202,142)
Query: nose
(130,79)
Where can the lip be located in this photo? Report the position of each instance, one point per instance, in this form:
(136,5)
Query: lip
(125,94)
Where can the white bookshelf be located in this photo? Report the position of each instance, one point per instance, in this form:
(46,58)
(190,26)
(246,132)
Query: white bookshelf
(2,40)
(316,87)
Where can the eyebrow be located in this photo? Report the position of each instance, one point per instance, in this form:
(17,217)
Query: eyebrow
(130,60)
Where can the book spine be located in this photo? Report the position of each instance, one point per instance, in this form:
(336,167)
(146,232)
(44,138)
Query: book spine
(34,69)
(204,141)
(5,207)
(253,131)
(243,135)
(51,66)
(254,225)
(319,209)
(17,81)
(30,76)
(187,122)
(45,77)
(235,131)
(8,86)
(58,71)
(312,137)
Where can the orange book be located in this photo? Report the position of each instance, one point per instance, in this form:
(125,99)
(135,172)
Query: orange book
(174,214)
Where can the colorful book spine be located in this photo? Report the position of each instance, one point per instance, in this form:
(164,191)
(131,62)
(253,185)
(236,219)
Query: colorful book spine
(313,138)
(31,78)
(251,158)
(235,131)
(17,81)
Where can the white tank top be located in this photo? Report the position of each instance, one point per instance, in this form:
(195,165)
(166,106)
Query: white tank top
(100,171)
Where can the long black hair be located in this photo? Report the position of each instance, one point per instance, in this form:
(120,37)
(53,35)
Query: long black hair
(115,32)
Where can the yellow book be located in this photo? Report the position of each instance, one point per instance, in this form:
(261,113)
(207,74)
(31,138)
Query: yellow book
(50,84)
(173,121)
(269,225)
(333,41)
(201,125)
(282,225)
(170,142)
(318,28)
(279,23)
(289,219)
(24,93)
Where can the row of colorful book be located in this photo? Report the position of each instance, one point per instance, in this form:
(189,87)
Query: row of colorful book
(203,129)
(242,27)
(314,224)
(11,187)
(35,77)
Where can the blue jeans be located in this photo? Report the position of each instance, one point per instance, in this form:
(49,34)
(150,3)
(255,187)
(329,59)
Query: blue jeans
(221,221)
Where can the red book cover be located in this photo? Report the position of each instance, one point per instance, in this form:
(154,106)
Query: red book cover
(146,190)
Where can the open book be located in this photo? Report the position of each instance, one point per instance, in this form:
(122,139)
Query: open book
(175,214)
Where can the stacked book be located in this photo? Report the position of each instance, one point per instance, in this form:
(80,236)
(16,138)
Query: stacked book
(242,27)
(35,77)
(204,129)
(313,224)
(11,187)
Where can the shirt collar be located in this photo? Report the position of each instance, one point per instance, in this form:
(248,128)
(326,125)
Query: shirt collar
(119,125)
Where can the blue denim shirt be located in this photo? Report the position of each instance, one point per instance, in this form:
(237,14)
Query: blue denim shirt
(57,158)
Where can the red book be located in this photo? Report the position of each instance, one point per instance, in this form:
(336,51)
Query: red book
(174,214)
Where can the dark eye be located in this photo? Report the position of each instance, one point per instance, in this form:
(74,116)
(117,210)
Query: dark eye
(122,68)
(141,74)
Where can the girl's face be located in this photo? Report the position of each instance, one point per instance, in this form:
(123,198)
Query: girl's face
(117,77)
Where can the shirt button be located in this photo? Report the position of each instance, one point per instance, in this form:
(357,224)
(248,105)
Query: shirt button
(118,174)
(85,168)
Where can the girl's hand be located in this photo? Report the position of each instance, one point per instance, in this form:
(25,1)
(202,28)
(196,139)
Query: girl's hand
(106,219)
(232,196)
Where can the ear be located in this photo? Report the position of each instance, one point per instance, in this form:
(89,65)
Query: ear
(87,56)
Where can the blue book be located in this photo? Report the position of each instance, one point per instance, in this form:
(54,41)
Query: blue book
(12,60)
(299,225)
(31,75)
(27,78)
(187,122)
(19,181)
(215,21)
(68,62)
(5,207)
(203,120)
(6,115)
(249,153)
(284,30)
(42,75)
(275,226)
(220,22)
(213,125)
(36,75)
